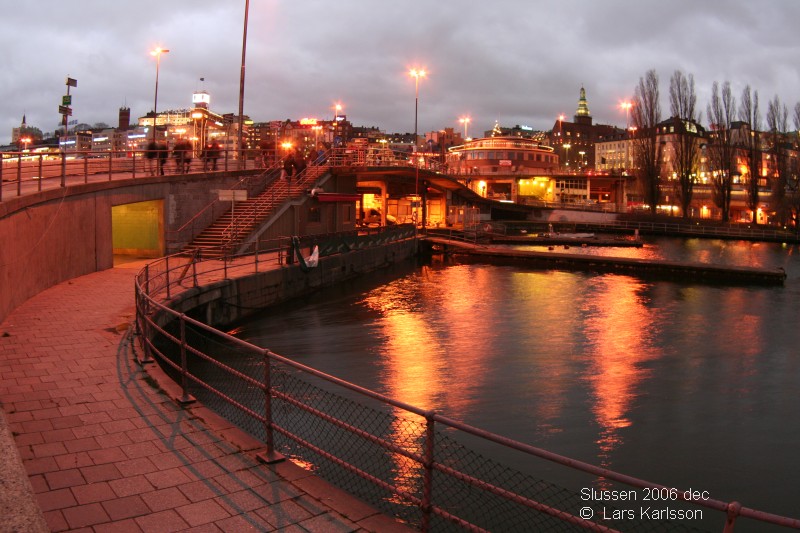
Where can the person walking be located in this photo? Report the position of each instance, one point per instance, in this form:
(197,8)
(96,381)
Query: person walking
(151,154)
(288,168)
(213,154)
(163,154)
(299,163)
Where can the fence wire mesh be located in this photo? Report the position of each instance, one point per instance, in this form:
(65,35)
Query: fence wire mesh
(335,431)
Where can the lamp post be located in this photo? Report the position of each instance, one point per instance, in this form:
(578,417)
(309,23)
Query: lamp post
(241,85)
(416,74)
(336,108)
(567,146)
(465,121)
(157,53)
(627,107)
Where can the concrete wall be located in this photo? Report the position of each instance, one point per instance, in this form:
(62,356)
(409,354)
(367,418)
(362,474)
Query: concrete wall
(224,302)
(60,234)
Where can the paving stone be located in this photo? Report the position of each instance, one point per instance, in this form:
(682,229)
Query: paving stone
(105,451)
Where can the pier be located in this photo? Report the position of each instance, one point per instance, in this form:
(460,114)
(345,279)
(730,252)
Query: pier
(704,272)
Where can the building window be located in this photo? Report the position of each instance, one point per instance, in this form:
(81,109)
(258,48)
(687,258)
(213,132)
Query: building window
(314,214)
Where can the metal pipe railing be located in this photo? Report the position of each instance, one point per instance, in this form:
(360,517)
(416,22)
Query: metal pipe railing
(150,306)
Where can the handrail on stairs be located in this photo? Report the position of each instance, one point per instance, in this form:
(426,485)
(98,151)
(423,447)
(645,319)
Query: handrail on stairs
(244,220)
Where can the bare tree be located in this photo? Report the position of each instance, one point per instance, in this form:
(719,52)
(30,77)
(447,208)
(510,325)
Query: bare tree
(646,116)
(778,124)
(721,112)
(792,180)
(682,99)
(751,145)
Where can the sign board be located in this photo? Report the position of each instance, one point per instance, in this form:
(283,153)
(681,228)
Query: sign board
(505,162)
(66,99)
(72,82)
(232,195)
(64,110)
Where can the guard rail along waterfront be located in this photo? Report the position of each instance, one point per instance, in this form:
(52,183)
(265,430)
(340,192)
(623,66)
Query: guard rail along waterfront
(418,465)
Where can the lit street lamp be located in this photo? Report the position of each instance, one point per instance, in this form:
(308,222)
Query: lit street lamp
(25,141)
(157,53)
(416,74)
(627,107)
(465,121)
(241,86)
(567,146)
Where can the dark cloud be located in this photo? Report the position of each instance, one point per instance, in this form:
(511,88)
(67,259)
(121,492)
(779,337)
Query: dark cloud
(512,61)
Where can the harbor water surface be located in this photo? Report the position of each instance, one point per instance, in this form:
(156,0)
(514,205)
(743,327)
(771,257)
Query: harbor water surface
(683,384)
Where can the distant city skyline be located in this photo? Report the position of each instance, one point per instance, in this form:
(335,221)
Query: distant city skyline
(513,62)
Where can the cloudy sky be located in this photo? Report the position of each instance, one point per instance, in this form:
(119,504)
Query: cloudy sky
(513,61)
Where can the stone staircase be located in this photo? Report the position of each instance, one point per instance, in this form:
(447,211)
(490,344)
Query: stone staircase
(234,226)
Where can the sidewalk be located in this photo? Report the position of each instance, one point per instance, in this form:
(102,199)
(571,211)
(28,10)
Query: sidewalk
(105,449)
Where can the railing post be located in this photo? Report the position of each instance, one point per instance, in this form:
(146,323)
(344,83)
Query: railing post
(85,168)
(110,168)
(41,175)
(144,309)
(730,520)
(194,268)
(166,275)
(185,398)
(269,456)
(133,154)
(19,173)
(268,435)
(427,483)
(63,169)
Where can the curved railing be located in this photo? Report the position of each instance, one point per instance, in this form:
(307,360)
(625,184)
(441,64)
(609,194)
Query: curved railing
(28,172)
(405,460)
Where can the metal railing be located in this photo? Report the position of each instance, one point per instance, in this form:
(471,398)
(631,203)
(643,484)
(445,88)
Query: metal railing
(403,459)
(28,172)
(245,220)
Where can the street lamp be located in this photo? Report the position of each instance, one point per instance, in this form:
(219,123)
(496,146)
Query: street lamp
(25,141)
(241,86)
(567,146)
(157,53)
(627,107)
(465,121)
(416,74)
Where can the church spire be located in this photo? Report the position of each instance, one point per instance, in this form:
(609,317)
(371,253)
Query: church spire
(583,115)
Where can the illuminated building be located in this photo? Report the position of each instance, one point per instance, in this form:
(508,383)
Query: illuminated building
(574,141)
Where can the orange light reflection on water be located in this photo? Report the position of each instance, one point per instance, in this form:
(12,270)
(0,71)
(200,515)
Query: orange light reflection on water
(418,365)
(618,328)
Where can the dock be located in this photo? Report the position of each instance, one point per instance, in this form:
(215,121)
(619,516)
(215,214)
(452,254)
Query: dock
(676,270)
(560,240)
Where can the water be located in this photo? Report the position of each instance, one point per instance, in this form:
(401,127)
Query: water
(679,383)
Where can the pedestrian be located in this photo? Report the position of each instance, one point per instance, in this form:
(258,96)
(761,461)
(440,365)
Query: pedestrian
(214,153)
(288,167)
(151,154)
(299,164)
(180,153)
(204,155)
(163,155)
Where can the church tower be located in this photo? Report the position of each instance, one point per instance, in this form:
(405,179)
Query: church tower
(583,115)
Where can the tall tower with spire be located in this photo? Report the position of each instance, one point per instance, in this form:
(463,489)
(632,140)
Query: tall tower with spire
(583,115)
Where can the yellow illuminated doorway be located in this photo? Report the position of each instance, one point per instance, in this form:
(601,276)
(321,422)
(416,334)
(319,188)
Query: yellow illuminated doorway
(137,229)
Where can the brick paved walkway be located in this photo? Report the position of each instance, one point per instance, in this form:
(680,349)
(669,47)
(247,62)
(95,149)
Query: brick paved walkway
(106,450)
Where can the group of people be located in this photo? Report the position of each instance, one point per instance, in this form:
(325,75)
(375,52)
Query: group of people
(157,154)
(295,163)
